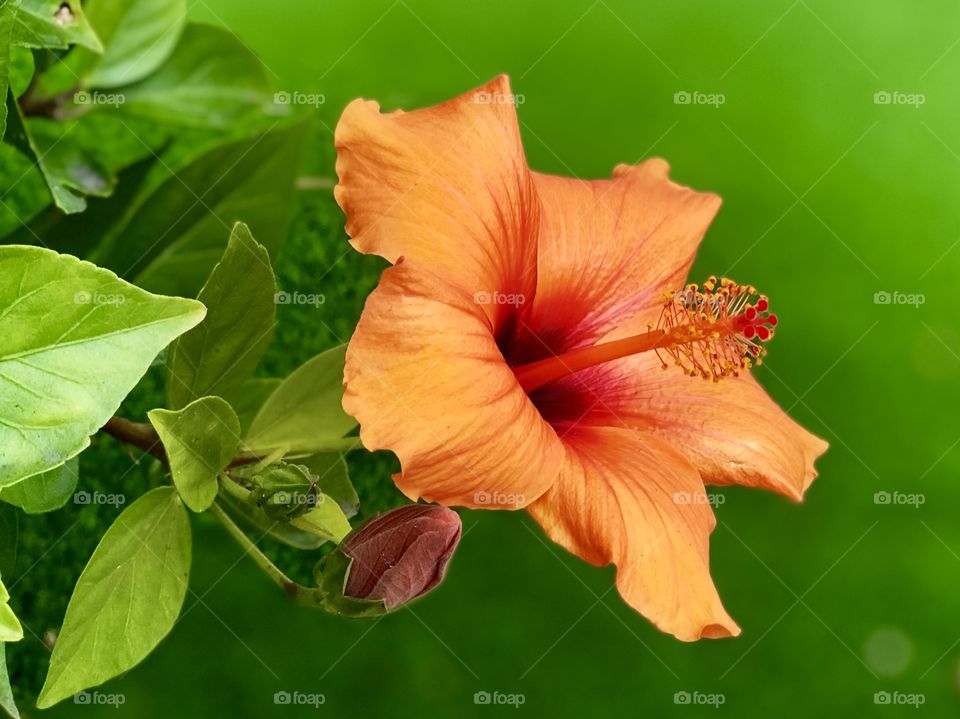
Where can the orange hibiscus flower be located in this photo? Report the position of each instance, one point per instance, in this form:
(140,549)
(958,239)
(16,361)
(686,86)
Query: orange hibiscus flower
(513,355)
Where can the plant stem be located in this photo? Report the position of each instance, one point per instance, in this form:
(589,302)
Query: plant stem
(138,434)
(292,589)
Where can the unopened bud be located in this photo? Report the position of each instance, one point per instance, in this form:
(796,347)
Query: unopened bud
(392,559)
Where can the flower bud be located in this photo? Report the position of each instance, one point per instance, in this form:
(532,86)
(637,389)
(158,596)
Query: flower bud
(392,559)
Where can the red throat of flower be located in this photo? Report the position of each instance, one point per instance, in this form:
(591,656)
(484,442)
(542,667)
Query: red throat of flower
(709,331)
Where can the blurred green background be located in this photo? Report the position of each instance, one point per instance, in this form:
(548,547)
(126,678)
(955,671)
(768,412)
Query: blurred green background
(831,195)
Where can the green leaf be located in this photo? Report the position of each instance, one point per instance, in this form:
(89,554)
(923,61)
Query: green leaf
(276,529)
(200,440)
(249,398)
(10,629)
(137,35)
(6,33)
(76,340)
(54,24)
(334,480)
(6,692)
(222,351)
(303,415)
(69,173)
(44,492)
(127,598)
(175,232)
(326,520)
(210,80)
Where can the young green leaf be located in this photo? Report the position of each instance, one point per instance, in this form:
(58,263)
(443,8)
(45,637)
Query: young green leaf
(6,691)
(333,480)
(76,340)
(53,24)
(127,598)
(138,36)
(10,629)
(326,520)
(222,351)
(303,416)
(44,492)
(200,440)
(211,80)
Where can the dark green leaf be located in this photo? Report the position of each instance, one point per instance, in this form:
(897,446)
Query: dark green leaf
(176,231)
(137,35)
(220,353)
(53,24)
(210,80)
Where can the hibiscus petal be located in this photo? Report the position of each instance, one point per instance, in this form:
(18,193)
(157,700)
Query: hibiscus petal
(608,250)
(426,380)
(731,430)
(446,187)
(632,500)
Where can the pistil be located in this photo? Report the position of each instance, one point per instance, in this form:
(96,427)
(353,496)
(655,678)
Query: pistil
(710,331)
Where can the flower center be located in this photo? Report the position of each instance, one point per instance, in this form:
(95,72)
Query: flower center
(709,331)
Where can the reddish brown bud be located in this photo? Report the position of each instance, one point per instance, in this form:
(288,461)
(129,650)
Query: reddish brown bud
(401,554)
